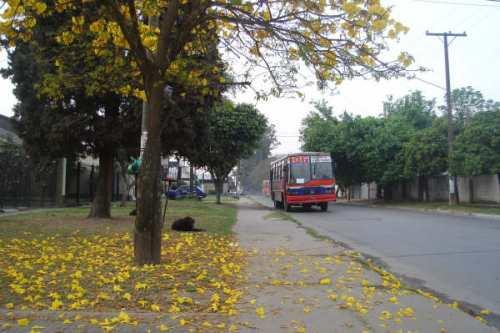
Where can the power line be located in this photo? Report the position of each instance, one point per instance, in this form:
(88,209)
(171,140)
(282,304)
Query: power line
(430,83)
(442,2)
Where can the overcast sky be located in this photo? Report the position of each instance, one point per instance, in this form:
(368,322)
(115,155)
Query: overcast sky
(474,61)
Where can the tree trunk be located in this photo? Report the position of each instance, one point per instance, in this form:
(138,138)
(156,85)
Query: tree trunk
(471,190)
(426,189)
(455,185)
(219,184)
(388,192)
(101,204)
(148,224)
(420,188)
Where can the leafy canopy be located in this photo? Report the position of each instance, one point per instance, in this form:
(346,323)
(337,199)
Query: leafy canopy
(337,39)
(467,102)
(476,151)
(387,150)
(426,153)
(233,133)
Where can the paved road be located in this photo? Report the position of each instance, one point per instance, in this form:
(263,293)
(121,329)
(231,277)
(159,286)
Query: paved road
(456,256)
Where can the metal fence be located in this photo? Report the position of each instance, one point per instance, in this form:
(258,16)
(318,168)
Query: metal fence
(28,185)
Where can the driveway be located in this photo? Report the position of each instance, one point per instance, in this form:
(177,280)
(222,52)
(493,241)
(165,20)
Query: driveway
(456,256)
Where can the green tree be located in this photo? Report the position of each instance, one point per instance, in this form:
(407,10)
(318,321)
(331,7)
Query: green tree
(385,150)
(413,109)
(343,138)
(467,102)
(75,124)
(426,154)
(476,150)
(234,132)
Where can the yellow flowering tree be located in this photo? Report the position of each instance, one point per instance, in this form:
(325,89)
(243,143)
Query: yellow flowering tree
(336,39)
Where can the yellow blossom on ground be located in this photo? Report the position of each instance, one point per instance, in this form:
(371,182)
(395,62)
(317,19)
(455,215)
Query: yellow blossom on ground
(325,281)
(261,312)
(408,312)
(23,322)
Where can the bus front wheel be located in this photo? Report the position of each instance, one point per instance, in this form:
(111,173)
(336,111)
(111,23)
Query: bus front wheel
(324,206)
(286,206)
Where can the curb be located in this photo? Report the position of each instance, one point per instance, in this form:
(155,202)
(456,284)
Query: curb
(426,210)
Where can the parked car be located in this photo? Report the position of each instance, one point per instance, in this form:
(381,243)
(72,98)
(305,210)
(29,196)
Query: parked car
(179,192)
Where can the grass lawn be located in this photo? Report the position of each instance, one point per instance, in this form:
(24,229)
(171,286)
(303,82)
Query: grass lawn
(216,219)
(465,208)
(57,260)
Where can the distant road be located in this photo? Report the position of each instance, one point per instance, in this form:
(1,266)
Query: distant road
(456,256)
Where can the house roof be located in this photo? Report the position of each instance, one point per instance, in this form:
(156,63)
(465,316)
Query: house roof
(7,130)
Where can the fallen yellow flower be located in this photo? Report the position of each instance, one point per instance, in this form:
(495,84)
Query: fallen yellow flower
(261,312)
(23,322)
(325,281)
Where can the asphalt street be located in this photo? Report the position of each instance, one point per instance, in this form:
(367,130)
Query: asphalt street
(452,255)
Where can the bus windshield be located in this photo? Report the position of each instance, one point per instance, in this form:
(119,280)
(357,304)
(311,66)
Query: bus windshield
(300,171)
(321,167)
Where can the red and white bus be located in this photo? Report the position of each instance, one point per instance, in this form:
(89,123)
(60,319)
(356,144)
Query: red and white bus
(303,179)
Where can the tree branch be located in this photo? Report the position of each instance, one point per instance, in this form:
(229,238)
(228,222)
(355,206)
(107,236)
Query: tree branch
(167,24)
(131,33)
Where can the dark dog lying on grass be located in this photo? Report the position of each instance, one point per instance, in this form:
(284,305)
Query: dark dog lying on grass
(185,224)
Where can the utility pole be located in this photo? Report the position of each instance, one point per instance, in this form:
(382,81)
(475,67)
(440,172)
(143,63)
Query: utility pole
(153,21)
(453,186)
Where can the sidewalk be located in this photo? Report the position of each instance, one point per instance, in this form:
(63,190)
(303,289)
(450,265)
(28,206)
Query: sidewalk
(298,283)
